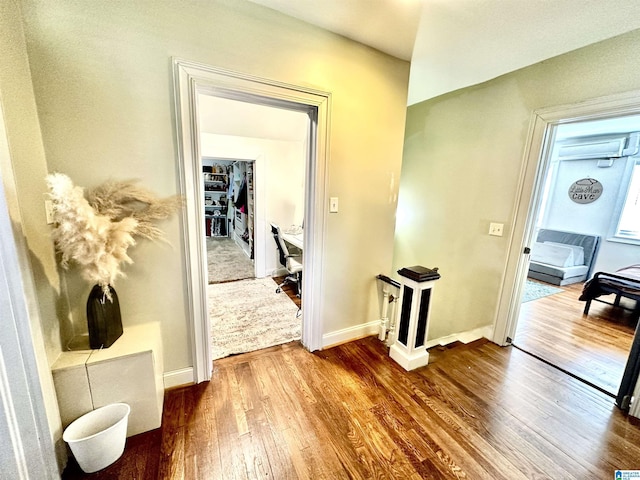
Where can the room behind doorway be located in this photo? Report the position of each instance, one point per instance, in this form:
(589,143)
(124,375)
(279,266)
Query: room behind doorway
(246,313)
(553,327)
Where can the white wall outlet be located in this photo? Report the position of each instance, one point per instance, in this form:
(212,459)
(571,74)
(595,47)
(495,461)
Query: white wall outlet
(333,205)
(48,209)
(496,229)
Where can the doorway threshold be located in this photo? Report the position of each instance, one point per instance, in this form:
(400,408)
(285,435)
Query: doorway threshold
(566,372)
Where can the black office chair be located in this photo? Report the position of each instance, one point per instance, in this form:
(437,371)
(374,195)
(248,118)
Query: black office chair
(291,261)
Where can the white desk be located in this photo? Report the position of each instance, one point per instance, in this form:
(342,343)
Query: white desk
(294,239)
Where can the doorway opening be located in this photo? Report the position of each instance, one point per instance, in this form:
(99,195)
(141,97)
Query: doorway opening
(190,80)
(254,161)
(583,190)
(536,164)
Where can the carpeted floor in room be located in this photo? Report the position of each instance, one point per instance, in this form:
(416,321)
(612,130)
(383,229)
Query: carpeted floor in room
(227,262)
(249,315)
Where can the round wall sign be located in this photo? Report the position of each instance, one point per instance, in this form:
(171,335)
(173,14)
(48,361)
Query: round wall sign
(585,190)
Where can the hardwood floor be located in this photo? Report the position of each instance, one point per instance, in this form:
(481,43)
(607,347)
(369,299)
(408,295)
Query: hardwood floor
(290,290)
(477,411)
(593,347)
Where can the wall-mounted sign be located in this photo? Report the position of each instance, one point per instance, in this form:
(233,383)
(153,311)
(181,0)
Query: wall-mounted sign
(585,190)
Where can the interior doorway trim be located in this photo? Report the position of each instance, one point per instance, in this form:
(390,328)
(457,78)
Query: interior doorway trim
(191,78)
(27,414)
(535,164)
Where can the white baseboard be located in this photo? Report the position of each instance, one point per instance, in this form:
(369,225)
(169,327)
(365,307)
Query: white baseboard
(349,334)
(184,376)
(464,337)
(372,328)
(176,378)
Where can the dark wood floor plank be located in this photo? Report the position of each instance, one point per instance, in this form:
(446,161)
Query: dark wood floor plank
(172,448)
(230,424)
(202,452)
(270,459)
(443,436)
(327,414)
(476,411)
(398,425)
(256,459)
(500,428)
(288,419)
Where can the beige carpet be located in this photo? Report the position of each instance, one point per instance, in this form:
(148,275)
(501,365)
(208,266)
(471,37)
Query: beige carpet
(249,315)
(227,262)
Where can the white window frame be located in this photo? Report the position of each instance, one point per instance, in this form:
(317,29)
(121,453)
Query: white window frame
(614,235)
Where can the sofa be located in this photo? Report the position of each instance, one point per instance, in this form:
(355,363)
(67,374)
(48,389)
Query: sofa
(562,258)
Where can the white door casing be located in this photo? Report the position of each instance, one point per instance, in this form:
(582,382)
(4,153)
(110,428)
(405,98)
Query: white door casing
(259,209)
(26,448)
(531,183)
(534,170)
(190,79)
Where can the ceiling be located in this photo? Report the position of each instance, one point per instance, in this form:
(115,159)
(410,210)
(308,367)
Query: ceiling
(451,44)
(456,43)
(387,25)
(223,116)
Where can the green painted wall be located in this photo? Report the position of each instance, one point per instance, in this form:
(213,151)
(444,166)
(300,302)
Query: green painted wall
(462,158)
(103,87)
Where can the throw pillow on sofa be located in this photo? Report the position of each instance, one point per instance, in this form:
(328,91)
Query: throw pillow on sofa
(578,252)
(558,256)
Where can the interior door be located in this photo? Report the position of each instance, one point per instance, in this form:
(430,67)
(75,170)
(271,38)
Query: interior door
(570,146)
(26,449)
(631,373)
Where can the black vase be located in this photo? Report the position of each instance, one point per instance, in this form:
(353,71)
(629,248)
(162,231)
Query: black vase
(103,318)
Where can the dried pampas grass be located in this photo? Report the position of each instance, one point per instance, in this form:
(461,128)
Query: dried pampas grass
(95,228)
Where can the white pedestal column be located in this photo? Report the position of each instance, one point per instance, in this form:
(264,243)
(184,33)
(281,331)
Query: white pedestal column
(409,350)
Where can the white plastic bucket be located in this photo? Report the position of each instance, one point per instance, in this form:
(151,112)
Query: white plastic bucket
(97,438)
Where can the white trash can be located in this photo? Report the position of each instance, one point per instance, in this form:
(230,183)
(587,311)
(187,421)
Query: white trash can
(97,438)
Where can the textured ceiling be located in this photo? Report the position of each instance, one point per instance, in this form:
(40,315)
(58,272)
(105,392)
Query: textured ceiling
(386,25)
(451,44)
(456,43)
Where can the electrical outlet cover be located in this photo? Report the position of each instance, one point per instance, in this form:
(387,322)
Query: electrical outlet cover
(496,229)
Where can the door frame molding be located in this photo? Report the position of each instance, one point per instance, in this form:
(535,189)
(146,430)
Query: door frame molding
(28,449)
(534,168)
(191,78)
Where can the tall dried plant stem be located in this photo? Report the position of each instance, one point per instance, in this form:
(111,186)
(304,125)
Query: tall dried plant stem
(95,232)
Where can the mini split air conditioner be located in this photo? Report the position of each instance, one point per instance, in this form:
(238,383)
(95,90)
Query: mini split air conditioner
(603,148)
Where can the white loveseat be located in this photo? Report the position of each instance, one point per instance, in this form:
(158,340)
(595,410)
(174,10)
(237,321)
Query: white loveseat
(562,258)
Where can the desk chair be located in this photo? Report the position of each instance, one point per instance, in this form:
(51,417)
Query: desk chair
(291,261)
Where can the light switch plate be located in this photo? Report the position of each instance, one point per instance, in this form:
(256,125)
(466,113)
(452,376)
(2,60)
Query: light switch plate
(48,208)
(333,205)
(496,229)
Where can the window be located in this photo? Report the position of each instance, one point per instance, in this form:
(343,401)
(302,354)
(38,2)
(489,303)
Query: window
(628,227)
